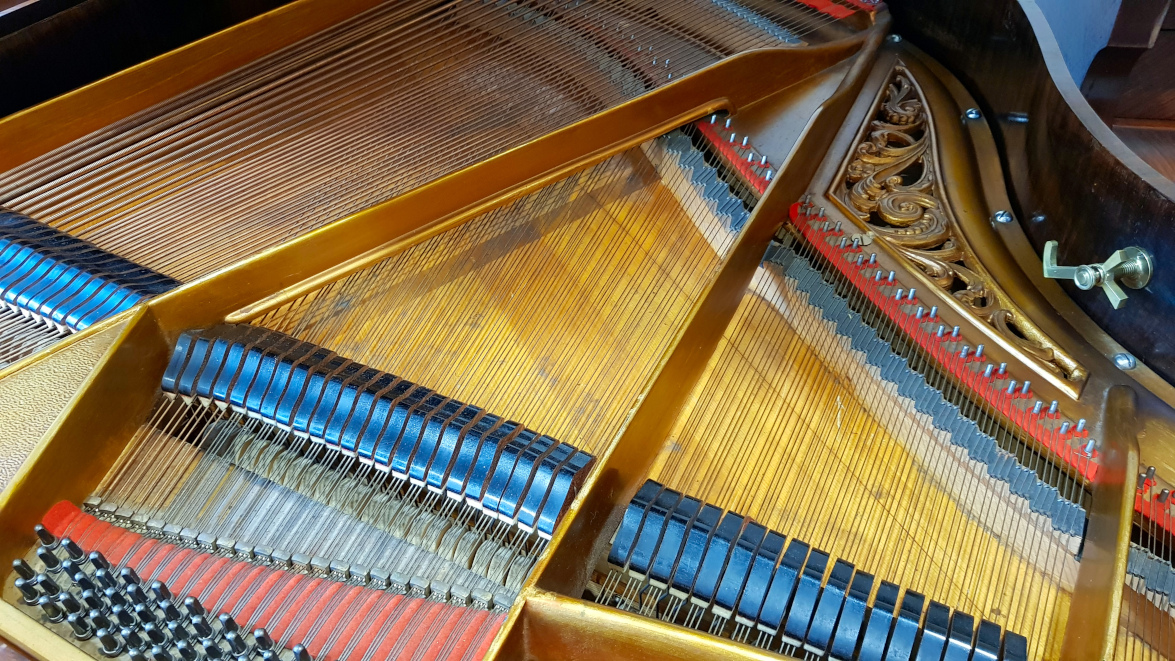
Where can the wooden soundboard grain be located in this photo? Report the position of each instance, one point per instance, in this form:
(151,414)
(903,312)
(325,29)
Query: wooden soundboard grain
(553,311)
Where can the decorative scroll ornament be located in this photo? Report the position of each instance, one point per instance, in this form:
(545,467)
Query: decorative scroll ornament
(890,183)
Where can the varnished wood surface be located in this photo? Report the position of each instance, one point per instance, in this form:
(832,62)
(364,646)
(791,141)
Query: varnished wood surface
(1156,146)
(9,653)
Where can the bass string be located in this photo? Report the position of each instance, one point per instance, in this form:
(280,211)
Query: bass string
(187,209)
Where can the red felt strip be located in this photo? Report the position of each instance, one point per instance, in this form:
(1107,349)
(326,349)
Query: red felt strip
(340,621)
(969,371)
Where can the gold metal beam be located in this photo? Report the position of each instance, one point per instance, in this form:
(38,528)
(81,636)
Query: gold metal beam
(585,530)
(568,629)
(1097,599)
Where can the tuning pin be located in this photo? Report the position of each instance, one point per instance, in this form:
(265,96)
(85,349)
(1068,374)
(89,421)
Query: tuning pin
(85,582)
(81,628)
(75,552)
(262,639)
(124,617)
(111,646)
(93,600)
(1065,428)
(979,352)
(136,594)
(170,612)
(129,576)
(187,650)
(49,559)
(28,591)
(160,591)
(178,630)
(1011,387)
(154,634)
(71,569)
(135,655)
(1053,408)
(228,623)
(212,650)
(50,608)
(1037,407)
(48,585)
(145,613)
(99,561)
(160,653)
(48,540)
(115,598)
(1163,495)
(236,643)
(193,606)
(100,620)
(1003,370)
(23,569)
(105,580)
(301,654)
(987,371)
(201,627)
(133,640)
(1027,388)
(69,602)
(1080,425)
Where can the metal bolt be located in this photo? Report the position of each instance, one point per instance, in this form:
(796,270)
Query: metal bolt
(1002,217)
(1124,361)
(972,113)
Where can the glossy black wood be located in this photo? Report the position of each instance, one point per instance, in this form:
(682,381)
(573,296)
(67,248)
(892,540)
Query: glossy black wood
(48,47)
(1067,178)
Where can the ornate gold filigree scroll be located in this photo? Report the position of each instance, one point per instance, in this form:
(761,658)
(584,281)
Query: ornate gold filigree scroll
(891,184)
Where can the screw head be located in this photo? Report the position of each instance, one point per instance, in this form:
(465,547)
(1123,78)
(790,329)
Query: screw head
(1039,218)
(1124,361)
(1002,217)
(972,113)
(1086,277)
(895,38)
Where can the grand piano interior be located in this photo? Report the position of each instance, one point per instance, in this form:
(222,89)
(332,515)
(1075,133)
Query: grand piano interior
(582,329)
